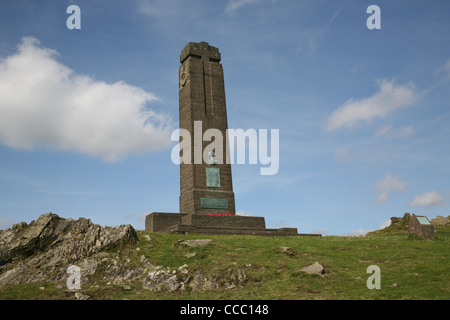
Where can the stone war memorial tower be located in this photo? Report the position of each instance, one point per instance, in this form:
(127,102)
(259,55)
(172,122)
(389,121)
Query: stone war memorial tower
(204,187)
(207,203)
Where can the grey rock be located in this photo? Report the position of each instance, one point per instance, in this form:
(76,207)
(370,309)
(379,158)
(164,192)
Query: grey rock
(315,268)
(195,243)
(43,250)
(190,255)
(81,296)
(183,268)
(161,279)
(440,221)
(199,282)
(51,243)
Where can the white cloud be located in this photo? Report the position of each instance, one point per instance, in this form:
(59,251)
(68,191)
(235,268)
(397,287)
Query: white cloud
(382,198)
(428,199)
(386,185)
(385,224)
(320,231)
(389,98)
(45,104)
(143,215)
(233,5)
(361,231)
(357,233)
(244,213)
(384,131)
(444,69)
(404,132)
(389,132)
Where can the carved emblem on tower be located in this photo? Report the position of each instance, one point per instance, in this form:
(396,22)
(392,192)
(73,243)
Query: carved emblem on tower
(184,75)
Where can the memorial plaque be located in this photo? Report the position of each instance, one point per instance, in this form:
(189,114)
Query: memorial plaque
(213,177)
(214,203)
(423,220)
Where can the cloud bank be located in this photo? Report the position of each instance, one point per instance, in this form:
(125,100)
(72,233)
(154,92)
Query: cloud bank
(389,98)
(444,70)
(428,199)
(45,104)
(388,184)
(389,132)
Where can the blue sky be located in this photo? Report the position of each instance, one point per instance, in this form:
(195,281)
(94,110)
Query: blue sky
(86,115)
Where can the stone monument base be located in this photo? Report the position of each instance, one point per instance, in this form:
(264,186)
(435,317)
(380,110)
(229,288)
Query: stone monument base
(421,226)
(181,223)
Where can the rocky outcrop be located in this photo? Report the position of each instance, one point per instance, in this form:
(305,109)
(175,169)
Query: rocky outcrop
(46,249)
(401,223)
(440,221)
(37,250)
(165,279)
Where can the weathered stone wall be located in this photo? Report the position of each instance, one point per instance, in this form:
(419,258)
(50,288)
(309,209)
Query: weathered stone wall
(215,230)
(161,221)
(231,221)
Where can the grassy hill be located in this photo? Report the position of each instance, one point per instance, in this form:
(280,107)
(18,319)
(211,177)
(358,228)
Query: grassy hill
(268,268)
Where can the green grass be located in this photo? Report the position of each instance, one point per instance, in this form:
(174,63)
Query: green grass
(410,268)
